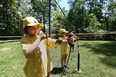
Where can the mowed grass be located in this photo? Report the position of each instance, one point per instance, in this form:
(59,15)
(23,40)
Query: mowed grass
(11,60)
(98,59)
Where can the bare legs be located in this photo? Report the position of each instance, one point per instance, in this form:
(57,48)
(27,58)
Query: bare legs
(63,59)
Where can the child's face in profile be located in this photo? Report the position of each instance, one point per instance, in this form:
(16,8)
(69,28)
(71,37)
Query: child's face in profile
(33,31)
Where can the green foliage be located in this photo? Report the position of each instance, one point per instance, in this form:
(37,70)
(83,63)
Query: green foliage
(92,16)
(77,17)
(13,11)
(93,24)
(59,18)
(10,18)
(57,21)
(111,17)
(83,16)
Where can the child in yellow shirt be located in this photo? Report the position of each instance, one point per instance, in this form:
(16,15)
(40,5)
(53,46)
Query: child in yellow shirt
(64,47)
(35,65)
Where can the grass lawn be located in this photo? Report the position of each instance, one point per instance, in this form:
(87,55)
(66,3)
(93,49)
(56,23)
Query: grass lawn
(98,59)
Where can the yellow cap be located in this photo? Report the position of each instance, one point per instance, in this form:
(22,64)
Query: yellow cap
(63,31)
(31,21)
(71,33)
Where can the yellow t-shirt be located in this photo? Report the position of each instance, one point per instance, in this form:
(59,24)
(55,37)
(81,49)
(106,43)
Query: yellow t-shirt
(34,65)
(50,43)
(64,47)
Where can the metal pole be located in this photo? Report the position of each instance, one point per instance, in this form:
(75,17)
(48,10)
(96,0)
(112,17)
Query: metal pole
(78,59)
(49,17)
(78,66)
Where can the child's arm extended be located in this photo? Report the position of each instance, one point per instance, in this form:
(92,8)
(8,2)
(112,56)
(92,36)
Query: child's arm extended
(31,48)
(52,43)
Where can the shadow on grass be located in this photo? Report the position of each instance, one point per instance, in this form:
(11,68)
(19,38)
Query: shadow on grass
(109,61)
(107,48)
(56,70)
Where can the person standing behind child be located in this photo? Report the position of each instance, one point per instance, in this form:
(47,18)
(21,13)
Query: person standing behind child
(65,49)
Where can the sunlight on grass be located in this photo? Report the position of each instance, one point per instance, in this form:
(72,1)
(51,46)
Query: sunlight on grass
(11,60)
(98,59)
(5,49)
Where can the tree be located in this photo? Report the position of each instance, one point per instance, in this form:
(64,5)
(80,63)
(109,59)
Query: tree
(111,16)
(9,17)
(91,15)
(58,20)
(77,16)
(93,24)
